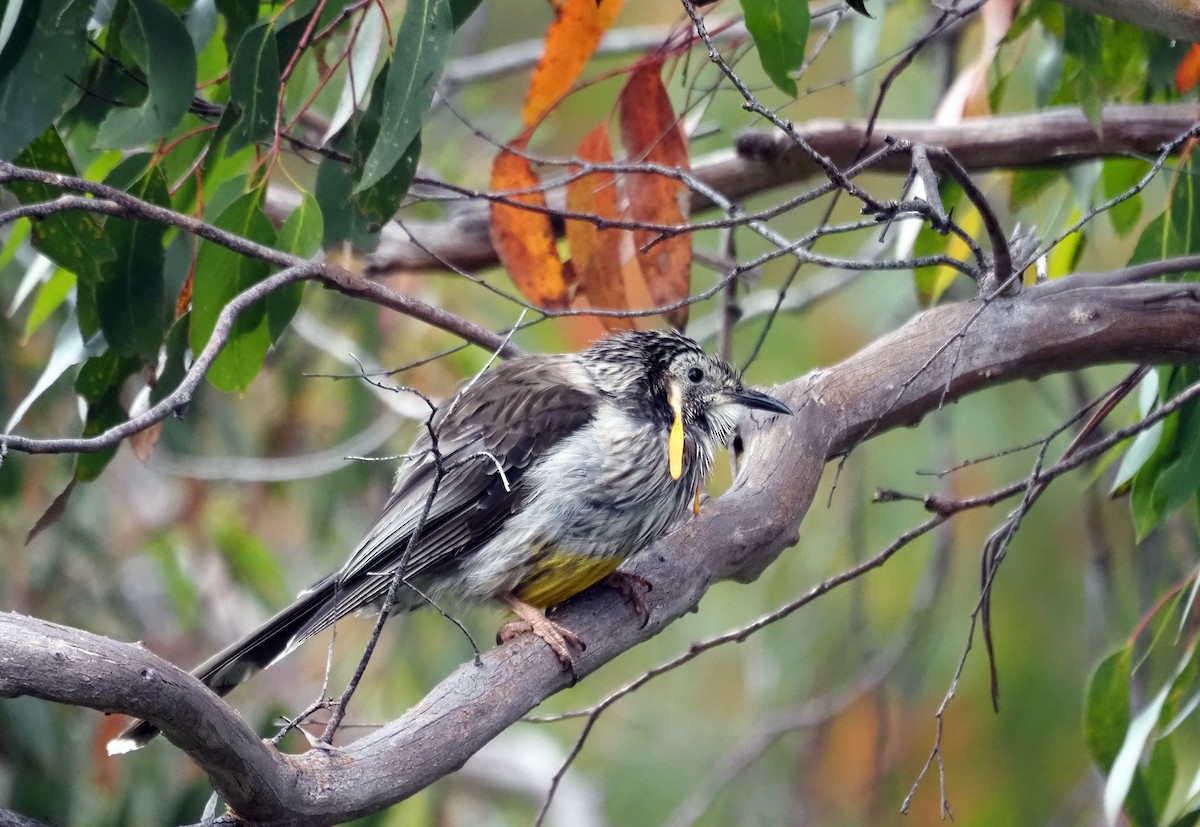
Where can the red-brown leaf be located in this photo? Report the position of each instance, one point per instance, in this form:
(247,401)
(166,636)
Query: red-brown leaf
(596,253)
(143,442)
(524,239)
(651,134)
(570,41)
(53,512)
(1187,73)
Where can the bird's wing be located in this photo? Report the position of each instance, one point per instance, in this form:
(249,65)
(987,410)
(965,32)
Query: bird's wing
(509,418)
(485,440)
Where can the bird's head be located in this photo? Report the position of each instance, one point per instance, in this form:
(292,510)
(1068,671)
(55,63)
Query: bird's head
(666,377)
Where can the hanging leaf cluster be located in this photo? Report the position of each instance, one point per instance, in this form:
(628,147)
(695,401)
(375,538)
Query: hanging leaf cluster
(619,227)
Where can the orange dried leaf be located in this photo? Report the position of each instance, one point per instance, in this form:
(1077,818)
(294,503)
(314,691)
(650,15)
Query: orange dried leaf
(651,134)
(596,253)
(53,512)
(184,300)
(143,442)
(524,239)
(570,41)
(1187,73)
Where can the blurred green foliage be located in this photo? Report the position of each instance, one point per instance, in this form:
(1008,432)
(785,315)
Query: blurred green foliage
(826,717)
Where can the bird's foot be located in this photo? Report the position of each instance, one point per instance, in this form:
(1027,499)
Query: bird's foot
(559,638)
(633,587)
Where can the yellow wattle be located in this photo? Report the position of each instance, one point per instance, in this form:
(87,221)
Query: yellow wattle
(675,448)
(675,442)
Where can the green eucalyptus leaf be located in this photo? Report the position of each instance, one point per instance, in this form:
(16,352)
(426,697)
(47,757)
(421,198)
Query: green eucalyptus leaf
(239,17)
(1159,776)
(74,241)
(162,47)
(175,364)
(201,23)
(1119,175)
(300,235)
(460,10)
(357,217)
(18,232)
(1170,476)
(780,32)
(222,274)
(253,88)
(131,299)
(50,296)
(334,190)
(40,67)
(1106,707)
(8,21)
(379,202)
(412,75)
(99,384)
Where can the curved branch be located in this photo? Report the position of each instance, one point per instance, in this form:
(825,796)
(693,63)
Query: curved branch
(112,201)
(893,382)
(1177,21)
(56,663)
(179,398)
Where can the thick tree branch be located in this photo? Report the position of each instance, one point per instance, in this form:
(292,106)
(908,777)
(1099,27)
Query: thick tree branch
(10,819)
(761,161)
(936,358)
(57,663)
(1178,21)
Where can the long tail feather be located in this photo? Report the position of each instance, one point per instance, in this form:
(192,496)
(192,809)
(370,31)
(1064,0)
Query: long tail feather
(239,661)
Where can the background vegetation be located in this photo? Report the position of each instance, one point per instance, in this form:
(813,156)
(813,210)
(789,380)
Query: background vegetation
(304,126)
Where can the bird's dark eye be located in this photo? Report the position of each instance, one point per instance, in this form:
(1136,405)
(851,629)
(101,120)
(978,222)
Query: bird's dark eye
(695,374)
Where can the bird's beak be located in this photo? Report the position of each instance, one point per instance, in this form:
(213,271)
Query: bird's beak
(759,401)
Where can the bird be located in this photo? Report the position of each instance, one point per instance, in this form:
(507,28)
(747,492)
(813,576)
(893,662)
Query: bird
(534,482)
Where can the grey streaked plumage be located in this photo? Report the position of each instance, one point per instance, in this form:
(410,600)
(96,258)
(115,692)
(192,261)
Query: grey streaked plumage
(553,470)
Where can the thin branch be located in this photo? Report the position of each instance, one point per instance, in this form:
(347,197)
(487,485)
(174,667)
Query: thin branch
(129,206)
(178,399)
(1072,459)
(740,635)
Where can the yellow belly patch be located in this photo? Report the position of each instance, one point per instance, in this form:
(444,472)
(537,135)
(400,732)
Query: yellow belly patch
(561,576)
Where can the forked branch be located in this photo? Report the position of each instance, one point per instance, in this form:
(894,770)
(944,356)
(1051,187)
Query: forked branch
(893,382)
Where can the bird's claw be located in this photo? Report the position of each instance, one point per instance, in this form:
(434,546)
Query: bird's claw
(559,638)
(633,587)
